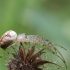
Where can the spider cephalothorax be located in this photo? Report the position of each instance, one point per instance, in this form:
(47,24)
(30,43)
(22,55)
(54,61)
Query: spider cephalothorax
(27,60)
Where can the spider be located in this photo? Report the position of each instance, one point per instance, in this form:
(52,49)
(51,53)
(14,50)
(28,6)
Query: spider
(10,37)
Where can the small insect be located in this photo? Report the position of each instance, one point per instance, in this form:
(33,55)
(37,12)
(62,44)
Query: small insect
(10,37)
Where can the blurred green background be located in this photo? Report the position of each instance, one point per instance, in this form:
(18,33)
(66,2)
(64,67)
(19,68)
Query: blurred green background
(47,18)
